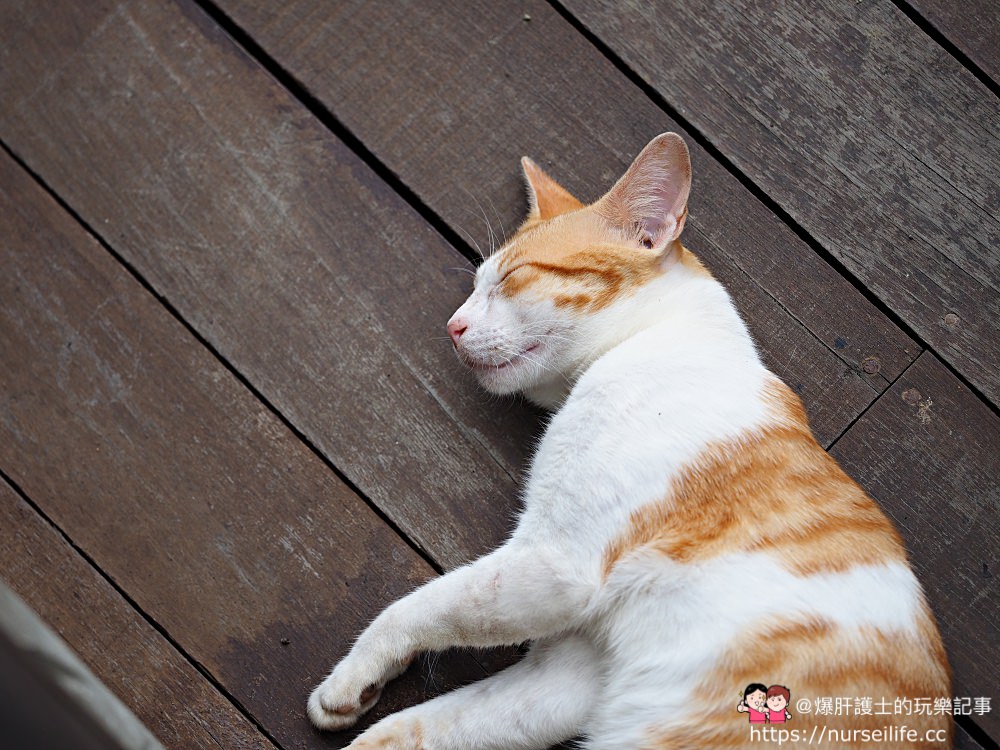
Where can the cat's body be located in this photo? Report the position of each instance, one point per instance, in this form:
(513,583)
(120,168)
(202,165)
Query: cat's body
(683,535)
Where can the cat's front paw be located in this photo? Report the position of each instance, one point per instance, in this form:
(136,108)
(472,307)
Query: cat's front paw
(346,695)
(397,732)
(338,703)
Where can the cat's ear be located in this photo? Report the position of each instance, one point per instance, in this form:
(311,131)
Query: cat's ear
(650,199)
(546,197)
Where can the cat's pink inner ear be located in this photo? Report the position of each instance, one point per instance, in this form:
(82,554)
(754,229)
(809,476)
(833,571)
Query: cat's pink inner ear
(547,198)
(651,197)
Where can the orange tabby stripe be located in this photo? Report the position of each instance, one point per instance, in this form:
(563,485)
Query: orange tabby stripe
(588,280)
(774,491)
(814,659)
(576,259)
(580,261)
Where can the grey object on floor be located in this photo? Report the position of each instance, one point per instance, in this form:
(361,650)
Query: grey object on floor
(49,698)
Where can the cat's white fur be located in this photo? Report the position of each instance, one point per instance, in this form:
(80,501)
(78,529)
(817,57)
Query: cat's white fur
(640,389)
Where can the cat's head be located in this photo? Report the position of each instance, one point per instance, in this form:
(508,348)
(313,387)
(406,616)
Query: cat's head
(563,289)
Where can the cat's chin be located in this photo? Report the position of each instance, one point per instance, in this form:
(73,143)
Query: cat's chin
(503,381)
(505,378)
(548,394)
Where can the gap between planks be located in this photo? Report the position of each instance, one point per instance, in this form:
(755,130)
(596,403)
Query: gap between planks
(488,662)
(941,39)
(418,206)
(198,666)
(304,439)
(770,203)
(319,110)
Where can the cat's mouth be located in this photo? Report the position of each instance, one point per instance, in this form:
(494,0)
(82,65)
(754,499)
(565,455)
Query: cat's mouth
(478,365)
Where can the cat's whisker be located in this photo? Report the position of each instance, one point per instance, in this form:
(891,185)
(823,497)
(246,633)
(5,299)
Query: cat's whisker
(554,337)
(545,323)
(545,367)
(532,358)
(431,659)
(486,220)
(546,330)
(499,220)
(471,239)
(529,331)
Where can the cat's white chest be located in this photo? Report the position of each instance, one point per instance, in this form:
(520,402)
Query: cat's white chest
(631,424)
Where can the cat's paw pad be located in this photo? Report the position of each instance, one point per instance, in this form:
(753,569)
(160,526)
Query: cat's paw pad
(335,706)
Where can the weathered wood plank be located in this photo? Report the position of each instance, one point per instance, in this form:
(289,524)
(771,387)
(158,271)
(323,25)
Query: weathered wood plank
(302,222)
(178,705)
(929,452)
(971,25)
(214,518)
(278,245)
(449,97)
(869,134)
(963,741)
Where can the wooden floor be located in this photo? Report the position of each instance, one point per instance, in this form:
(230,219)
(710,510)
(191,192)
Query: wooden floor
(231,426)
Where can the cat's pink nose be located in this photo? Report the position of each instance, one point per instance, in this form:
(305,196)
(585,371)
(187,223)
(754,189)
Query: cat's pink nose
(456,327)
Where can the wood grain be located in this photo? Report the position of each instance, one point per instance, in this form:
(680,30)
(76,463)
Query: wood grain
(929,452)
(964,741)
(450,97)
(176,703)
(185,490)
(319,284)
(871,136)
(279,246)
(972,25)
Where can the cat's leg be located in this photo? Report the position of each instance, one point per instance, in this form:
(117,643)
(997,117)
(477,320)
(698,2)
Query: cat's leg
(542,700)
(515,594)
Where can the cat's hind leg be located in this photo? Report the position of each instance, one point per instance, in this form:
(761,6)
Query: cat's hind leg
(515,594)
(542,700)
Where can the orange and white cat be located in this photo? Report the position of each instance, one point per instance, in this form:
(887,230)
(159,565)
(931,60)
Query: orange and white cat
(683,535)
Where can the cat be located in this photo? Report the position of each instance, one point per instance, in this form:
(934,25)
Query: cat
(683,535)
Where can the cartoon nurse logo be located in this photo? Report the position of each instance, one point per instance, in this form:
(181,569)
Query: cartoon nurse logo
(765,705)
(754,702)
